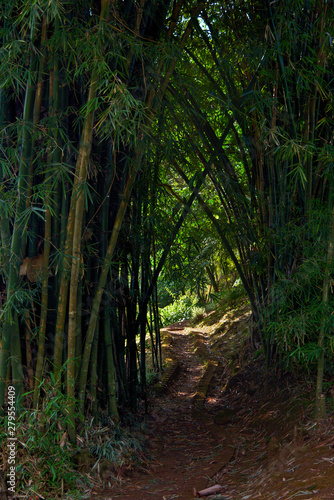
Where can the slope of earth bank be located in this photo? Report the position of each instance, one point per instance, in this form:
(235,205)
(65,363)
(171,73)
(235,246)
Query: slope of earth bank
(253,435)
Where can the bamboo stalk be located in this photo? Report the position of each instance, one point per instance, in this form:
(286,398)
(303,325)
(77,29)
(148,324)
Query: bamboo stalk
(111,376)
(53,97)
(71,243)
(320,412)
(4,219)
(81,169)
(93,371)
(108,334)
(101,284)
(117,226)
(82,164)
(11,338)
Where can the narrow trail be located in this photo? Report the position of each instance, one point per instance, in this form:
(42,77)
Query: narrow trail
(188,449)
(268,450)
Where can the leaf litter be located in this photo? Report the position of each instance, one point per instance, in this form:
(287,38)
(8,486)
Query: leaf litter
(272,450)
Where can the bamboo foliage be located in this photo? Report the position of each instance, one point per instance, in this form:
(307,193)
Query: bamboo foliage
(78,211)
(90,100)
(273,179)
(10,338)
(122,102)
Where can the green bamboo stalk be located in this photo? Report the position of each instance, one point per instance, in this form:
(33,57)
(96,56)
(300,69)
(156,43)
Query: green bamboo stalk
(118,223)
(66,244)
(93,371)
(53,98)
(320,409)
(11,337)
(145,265)
(60,199)
(102,281)
(81,168)
(111,375)
(78,337)
(35,120)
(119,350)
(71,259)
(154,354)
(82,164)
(157,328)
(227,245)
(63,293)
(309,160)
(183,216)
(108,340)
(29,361)
(44,305)
(154,297)
(161,91)
(4,218)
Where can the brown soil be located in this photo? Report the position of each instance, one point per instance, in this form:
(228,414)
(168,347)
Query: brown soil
(266,447)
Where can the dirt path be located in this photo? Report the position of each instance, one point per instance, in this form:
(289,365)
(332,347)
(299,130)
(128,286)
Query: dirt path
(187,447)
(268,451)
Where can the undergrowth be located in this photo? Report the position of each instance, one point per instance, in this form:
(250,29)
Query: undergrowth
(187,307)
(182,308)
(49,466)
(227,298)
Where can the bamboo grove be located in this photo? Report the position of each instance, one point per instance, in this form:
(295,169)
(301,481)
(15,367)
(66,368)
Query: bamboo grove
(77,96)
(103,105)
(264,143)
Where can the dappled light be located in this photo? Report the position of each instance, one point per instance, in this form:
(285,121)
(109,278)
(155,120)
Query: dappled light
(166,249)
(250,443)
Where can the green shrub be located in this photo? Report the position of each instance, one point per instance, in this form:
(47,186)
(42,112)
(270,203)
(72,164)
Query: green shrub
(183,308)
(48,455)
(49,465)
(228,297)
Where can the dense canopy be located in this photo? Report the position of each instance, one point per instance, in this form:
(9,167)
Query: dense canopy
(151,146)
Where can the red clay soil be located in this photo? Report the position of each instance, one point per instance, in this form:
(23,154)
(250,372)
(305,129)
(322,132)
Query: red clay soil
(270,450)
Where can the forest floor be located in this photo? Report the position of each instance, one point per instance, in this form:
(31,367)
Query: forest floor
(222,422)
